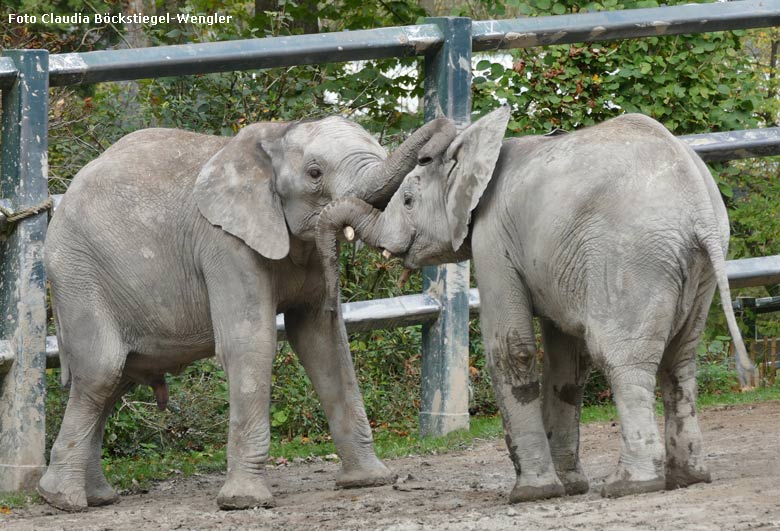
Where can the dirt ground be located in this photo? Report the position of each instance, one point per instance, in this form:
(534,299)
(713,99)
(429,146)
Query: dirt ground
(468,490)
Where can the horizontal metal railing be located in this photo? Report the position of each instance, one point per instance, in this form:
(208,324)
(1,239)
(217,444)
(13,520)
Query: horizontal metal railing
(749,272)
(400,41)
(624,24)
(732,145)
(270,52)
(406,310)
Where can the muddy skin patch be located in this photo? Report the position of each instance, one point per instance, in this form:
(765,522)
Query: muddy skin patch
(526,393)
(512,452)
(569,393)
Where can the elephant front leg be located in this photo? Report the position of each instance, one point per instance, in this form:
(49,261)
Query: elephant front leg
(243,315)
(566,368)
(248,365)
(511,351)
(320,341)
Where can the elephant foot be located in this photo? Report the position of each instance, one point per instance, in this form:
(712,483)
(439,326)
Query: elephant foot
(244,494)
(103,495)
(677,478)
(63,494)
(574,482)
(374,476)
(523,492)
(624,486)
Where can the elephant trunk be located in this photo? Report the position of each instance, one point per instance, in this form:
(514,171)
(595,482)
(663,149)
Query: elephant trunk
(384,178)
(344,219)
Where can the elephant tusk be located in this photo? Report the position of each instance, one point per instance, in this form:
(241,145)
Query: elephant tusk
(387,254)
(349,233)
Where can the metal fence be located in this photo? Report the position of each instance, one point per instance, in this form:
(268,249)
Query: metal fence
(446,44)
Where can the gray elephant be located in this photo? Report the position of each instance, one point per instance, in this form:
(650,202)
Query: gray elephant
(173,246)
(615,236)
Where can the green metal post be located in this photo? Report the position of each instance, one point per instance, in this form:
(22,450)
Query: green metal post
(445,376)
(22,278)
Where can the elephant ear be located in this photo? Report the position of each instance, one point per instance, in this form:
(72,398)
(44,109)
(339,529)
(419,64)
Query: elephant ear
(475,153)
(235,191)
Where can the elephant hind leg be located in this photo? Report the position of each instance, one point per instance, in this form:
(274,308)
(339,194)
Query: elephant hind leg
(630,366)
(99,490)
(96,363)
(684,449)
(510,344)
(566,368)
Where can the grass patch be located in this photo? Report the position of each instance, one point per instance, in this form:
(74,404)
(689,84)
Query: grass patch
(17,500)
(389,444)
(598,413)
(761,394)
(608,412)
(137,473)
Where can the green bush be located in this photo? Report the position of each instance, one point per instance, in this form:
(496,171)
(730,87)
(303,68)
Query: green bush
(715,369)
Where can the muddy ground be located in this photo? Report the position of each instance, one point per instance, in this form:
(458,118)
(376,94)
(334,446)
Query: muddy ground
(468,490)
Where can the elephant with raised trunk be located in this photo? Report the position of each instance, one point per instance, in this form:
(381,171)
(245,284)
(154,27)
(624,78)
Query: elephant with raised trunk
(173,246)
(615,236)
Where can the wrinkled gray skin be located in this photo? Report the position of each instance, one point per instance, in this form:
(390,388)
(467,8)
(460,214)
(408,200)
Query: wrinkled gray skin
(615,236)
(174,246)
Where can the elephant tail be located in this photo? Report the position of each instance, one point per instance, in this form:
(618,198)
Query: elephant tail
(746,370)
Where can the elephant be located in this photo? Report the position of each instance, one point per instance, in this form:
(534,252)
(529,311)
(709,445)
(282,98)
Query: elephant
(615,237)
(173,246)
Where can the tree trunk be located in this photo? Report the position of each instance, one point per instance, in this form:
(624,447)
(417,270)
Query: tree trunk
(134,31)
(134,37)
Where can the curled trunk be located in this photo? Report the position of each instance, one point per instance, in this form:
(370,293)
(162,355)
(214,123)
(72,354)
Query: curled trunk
(359,207)
(346,212)
(383,179)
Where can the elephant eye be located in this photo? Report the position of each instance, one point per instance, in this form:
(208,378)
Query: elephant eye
(314,173)
(408,199)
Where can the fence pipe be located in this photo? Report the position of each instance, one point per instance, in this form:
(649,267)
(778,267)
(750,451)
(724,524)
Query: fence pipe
(245,54)
(400,41)
(491,35)
(732,145)
(407,310)
(23,283)
(445,342)
(8,73)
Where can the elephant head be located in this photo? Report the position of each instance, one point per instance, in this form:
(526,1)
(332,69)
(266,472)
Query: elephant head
(427,220)
(271,180)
